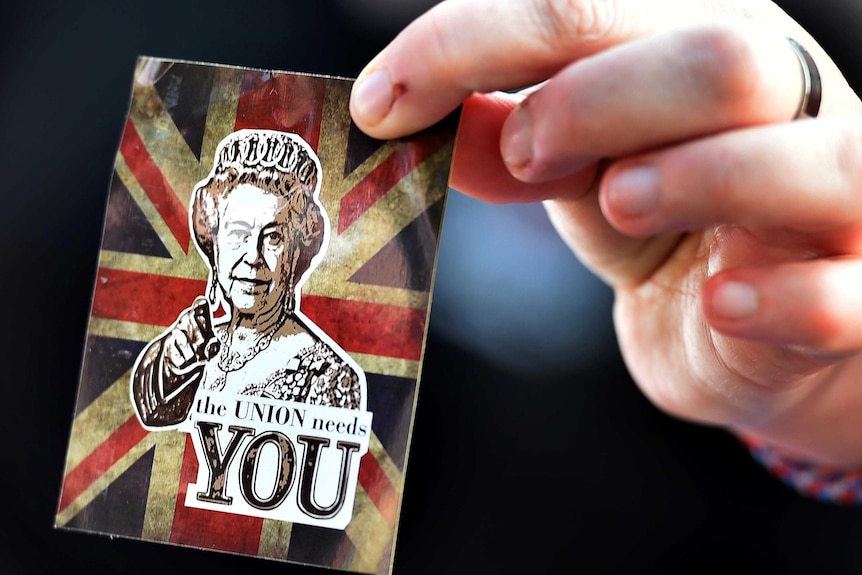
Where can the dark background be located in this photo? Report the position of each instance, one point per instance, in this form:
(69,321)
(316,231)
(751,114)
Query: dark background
(560,467)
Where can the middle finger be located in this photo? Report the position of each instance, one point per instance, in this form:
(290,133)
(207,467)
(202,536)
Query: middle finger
(652,92)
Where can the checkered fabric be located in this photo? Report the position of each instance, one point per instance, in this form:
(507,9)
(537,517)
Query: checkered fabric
(816,481)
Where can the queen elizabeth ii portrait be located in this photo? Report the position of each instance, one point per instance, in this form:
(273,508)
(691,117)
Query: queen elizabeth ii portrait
(257,222)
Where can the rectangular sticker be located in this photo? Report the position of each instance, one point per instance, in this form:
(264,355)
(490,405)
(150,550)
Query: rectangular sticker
(258,320)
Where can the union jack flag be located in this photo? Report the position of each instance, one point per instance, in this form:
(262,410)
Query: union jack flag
(371,294)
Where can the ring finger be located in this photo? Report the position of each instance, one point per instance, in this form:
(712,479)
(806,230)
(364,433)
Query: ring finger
(802,176)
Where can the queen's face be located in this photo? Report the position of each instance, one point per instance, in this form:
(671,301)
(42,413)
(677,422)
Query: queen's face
(252,263)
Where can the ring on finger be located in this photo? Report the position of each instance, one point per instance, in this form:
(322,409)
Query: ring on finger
(809,103)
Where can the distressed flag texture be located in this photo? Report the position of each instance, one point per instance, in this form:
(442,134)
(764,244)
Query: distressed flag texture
(371,294)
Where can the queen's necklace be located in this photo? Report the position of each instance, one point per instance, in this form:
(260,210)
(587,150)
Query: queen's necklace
(232,361)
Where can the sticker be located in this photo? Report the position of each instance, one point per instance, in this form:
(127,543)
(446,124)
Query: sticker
(258,319)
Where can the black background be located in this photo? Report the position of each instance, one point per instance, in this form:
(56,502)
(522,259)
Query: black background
(576,472)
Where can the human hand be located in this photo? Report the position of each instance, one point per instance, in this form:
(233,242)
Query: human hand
(190,342)
(660,137)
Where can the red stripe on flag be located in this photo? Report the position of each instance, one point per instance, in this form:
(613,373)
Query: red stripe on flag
(143,298)
(372,328)
(155,185)
(281,102)
(124,438)
(210,529)
(378,487)
(362,327)
(383,178)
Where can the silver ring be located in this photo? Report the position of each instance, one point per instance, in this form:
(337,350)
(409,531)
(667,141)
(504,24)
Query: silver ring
(809,104)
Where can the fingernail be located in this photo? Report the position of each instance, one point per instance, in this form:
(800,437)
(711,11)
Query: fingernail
(635,191)
(516,138)
(373,96)
(734,300)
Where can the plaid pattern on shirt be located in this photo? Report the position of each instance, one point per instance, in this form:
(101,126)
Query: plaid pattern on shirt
(812,480)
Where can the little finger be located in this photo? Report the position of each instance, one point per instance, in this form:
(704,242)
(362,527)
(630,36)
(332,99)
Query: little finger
(813,305)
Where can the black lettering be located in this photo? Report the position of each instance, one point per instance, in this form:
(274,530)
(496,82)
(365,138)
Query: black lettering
(249,469)
(218,461)
(207,407)
(300,415)
(308,476)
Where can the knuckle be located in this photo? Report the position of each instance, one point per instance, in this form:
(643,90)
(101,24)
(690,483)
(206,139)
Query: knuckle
(180,339)
(723,187)
(828,329)
(174,359)
(442,44)
(562,23)
(184,321)
(821,333)
(825,335)
(724,70)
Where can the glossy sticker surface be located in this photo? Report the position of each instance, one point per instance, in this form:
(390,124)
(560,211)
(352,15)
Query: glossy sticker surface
(258,320)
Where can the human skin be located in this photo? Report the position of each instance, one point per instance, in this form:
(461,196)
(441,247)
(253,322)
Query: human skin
(661,138)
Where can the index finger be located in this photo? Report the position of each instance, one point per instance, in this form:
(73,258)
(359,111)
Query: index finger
(202,317)
(464,46)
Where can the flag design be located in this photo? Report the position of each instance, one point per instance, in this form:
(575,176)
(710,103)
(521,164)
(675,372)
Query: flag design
(370,293)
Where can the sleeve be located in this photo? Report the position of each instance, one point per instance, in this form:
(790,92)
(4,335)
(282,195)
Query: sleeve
(161,400)
(811,480)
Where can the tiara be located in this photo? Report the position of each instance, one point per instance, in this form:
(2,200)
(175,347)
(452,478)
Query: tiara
(283,151)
